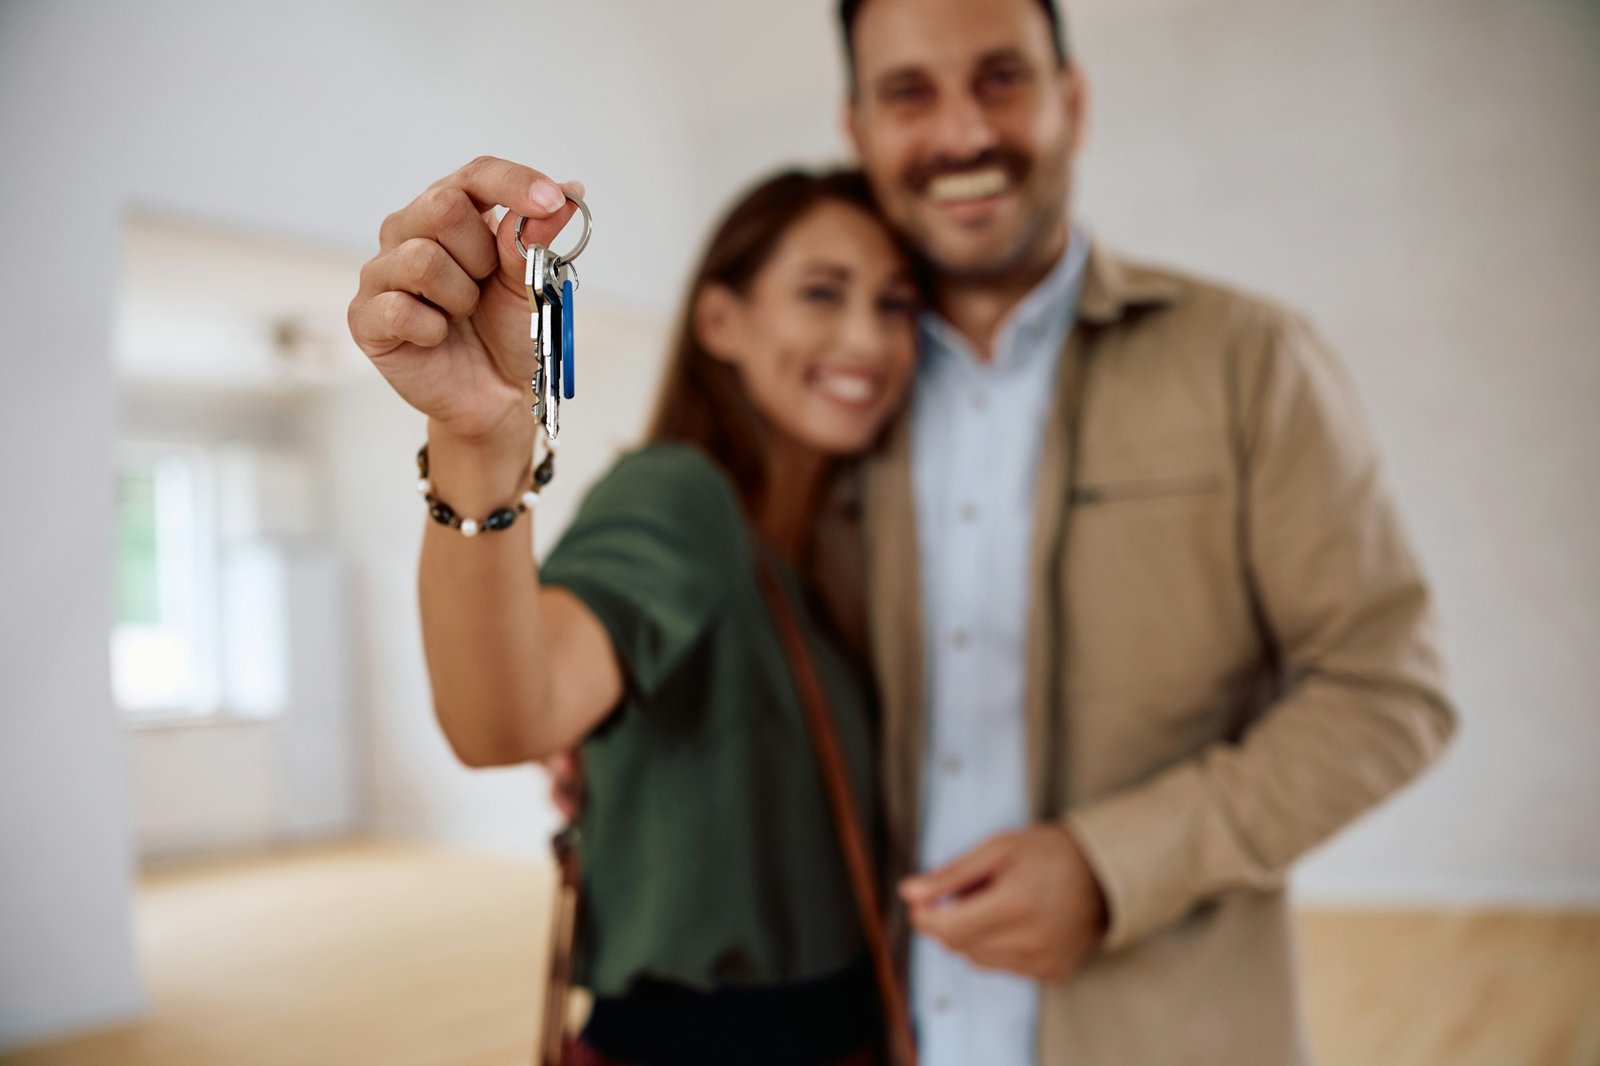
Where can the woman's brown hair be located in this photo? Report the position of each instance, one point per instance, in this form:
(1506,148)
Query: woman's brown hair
(701,400)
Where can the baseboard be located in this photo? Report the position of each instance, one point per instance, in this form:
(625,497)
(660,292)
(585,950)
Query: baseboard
(18,1031)
(1449,893)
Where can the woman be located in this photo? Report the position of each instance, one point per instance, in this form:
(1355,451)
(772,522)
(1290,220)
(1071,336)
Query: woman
(719,924)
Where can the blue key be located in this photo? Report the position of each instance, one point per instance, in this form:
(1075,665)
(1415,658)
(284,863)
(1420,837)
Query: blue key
(568,360)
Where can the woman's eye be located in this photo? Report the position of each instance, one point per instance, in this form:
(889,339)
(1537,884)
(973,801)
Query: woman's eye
(824,296)
(897,305)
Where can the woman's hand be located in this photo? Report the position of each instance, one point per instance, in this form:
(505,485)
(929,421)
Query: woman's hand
(442,311)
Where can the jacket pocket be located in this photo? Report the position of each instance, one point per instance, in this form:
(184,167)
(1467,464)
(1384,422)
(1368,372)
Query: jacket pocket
(1144,489)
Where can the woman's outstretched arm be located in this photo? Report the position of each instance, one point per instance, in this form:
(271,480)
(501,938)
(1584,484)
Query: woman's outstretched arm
(442,313)
(518,672)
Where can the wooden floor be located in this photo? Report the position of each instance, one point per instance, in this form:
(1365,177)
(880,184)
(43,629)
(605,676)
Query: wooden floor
(375,953)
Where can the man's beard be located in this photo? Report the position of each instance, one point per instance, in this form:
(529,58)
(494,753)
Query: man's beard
(1039,226)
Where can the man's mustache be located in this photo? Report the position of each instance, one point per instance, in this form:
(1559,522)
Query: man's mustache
(1015,164)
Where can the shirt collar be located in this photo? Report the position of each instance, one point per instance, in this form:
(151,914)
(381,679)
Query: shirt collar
(1044,314)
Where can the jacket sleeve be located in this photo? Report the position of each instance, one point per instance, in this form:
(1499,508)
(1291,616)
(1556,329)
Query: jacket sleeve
(1362,709)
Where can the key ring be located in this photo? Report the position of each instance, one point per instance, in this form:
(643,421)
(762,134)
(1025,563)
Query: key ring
(583,242)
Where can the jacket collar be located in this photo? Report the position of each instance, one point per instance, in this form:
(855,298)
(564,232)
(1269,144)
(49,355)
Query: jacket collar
(1112,286)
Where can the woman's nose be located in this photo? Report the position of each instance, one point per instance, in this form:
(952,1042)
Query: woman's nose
(868,335)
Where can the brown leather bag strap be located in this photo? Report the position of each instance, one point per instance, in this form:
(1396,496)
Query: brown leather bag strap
(846,815)
(555,1041)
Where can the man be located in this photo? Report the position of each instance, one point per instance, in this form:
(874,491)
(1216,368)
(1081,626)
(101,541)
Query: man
(1161,632)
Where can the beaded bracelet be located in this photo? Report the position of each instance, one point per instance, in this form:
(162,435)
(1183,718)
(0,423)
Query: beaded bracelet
(501,517)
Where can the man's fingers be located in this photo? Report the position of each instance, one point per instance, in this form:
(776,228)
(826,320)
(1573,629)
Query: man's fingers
(447,215)
(566,783)
(960,875)
(965,922)
(384,322)
(423,269)
(1028,964)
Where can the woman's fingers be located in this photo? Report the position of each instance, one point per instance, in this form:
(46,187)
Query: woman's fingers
(438,252)
(455,212)
(446,215)
(423,268)
(383,322)
(492,182)
(489,182)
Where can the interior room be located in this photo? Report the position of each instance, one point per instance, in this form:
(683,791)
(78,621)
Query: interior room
(231,830)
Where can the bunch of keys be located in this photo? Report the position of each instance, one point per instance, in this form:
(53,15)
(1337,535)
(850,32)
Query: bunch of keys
(551,281)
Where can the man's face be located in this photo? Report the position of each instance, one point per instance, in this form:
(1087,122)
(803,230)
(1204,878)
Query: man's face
(966,126)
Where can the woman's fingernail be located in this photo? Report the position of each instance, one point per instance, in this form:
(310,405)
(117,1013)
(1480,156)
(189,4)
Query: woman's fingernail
(546,195)
(576,188)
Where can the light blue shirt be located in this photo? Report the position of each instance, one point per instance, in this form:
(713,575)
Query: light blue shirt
(977,431)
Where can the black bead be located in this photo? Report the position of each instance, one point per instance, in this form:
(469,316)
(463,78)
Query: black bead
(500,519)
(545,471)
(443,514)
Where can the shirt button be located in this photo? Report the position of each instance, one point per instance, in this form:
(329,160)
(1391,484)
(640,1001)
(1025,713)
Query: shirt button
(980,401)
(960,638)
(951,765)
(969,513)
(942,1005)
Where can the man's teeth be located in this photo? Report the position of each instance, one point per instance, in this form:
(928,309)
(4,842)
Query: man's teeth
(848,388)
(972,185)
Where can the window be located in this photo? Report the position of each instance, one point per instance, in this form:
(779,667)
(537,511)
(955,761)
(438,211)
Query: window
(163,650)
(202,614)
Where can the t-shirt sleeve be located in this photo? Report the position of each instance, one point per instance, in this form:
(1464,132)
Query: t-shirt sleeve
(655,551)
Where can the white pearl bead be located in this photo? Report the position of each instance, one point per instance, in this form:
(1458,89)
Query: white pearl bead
(469,527)
(423,487)
(530,498)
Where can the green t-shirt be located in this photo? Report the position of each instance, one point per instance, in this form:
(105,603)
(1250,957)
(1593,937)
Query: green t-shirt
(709,856)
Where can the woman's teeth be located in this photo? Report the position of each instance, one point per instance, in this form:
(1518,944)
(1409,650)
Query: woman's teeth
(972,185)
(848,388)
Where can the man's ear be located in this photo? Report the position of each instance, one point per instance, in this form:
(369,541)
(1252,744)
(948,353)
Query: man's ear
(718,322)
(1075,89)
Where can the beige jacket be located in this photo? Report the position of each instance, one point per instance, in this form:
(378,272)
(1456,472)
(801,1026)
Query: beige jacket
(1231,656)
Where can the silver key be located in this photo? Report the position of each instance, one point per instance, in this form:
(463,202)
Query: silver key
(534,279)
(552,372)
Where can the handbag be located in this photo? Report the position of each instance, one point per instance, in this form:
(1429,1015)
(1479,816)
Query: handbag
(557,1044)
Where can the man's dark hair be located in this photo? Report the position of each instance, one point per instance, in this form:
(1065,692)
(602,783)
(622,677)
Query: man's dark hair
(849,9)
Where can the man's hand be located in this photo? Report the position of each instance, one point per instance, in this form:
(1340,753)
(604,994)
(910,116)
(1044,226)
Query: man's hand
(1026,902)
(566,783)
